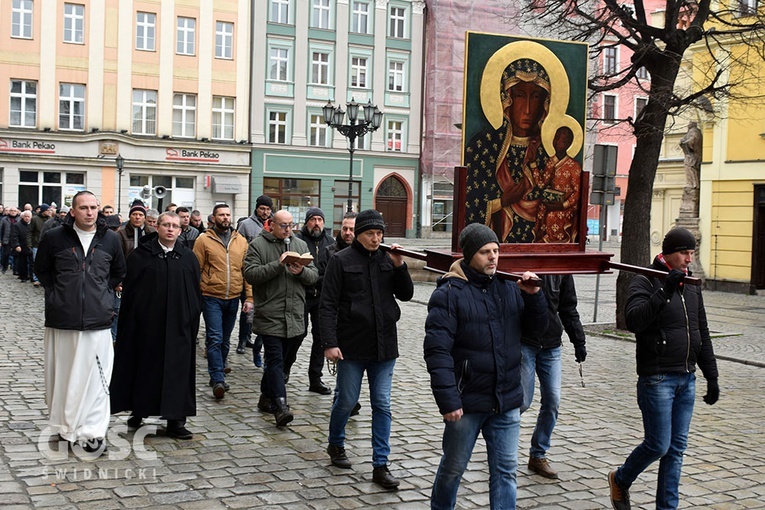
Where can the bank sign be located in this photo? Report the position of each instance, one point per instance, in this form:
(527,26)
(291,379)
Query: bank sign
(27,146)
(189,155)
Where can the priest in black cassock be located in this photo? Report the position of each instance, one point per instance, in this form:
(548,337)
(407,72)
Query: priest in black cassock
(154,366)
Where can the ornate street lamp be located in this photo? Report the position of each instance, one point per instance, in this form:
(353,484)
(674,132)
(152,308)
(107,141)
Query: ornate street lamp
(120,161)
(355,129)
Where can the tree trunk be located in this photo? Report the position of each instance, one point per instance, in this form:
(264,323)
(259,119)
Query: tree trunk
(637,205)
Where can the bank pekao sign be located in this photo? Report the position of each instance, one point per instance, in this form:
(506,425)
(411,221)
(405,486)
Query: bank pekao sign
(192,156)
(27,146)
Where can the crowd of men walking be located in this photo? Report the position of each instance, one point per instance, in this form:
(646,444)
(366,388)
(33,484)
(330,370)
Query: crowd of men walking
(123,304)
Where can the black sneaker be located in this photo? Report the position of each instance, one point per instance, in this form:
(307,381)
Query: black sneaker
(382,476)
(620,497)
(338,456)
(356,409)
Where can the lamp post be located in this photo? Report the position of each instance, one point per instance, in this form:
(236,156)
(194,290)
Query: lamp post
(120,161)
(355,129)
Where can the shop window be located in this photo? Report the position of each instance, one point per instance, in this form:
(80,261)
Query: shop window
(295,195)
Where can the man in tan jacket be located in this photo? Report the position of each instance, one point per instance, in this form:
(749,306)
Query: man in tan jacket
(221,251)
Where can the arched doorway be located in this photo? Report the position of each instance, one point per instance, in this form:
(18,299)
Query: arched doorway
(391,201)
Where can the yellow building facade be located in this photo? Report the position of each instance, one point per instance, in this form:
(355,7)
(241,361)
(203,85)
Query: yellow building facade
(732,190)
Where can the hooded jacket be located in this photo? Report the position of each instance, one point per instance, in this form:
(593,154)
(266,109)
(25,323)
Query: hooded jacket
(473,340)
(358,309)
(278,295)
(671,331)
(250,227)
(222,266)
(79,286)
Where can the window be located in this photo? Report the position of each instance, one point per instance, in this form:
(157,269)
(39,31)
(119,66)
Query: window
(180,190)
(279,58)
(144,112)
(609,108)
(642,73)
(71,106)
(74,23)
(319,68)
(296,195)
(224,40)
(640,103)
(21,19)
(747,7)
(185,40)
(397,22)
(359,72)
(360,18)
(277,127)
(145,23)
(280,11)
(23,104)
(609,61)
(184,115)
(396,75)
(223,118)
(47,187)
(320,14)
(395,136)
(318,131)
(341,201)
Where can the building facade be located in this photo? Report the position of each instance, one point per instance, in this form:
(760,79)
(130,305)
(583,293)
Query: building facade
(307,53)
(163,84)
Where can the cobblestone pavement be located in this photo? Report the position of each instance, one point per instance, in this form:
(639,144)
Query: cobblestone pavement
(239,459)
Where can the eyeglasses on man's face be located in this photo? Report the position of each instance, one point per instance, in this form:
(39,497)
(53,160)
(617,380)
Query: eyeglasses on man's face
(170,226)
(285,226)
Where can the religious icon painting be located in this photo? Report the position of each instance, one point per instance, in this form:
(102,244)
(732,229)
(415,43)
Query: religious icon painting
(523,137)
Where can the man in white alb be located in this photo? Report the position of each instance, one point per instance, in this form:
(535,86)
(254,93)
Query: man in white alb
(79,264)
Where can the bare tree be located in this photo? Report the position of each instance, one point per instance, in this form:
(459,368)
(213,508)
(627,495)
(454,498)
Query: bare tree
(660,48)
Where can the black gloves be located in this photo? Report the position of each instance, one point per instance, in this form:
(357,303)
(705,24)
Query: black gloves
(713,392)
(672,281)
(580,351)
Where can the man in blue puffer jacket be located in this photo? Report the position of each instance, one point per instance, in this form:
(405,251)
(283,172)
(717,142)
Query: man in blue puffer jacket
(473,354)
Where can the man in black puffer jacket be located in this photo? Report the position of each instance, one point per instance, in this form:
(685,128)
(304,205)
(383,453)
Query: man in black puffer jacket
(670,326)
(358,315)
(473,353)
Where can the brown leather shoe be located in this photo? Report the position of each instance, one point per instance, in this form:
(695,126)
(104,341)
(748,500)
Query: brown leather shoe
(382,476)
(540,466)
(620,497)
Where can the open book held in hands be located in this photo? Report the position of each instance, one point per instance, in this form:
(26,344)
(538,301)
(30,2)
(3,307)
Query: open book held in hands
(291,257)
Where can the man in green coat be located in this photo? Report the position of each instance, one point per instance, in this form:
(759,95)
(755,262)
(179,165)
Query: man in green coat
(279,298)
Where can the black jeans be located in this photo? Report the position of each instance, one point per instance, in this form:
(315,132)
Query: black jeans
(316,363)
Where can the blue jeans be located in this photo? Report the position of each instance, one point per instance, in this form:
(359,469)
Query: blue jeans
(220,317)
(666,402)
(380,377)
(501,433)
(32,265)
(547,366)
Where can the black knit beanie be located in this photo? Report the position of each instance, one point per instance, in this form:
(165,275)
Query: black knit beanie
(678,239)
(313,211)
(367,220)
(472,239)
(264,200)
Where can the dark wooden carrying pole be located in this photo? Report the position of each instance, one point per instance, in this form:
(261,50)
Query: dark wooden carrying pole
(651,273)
(534,282)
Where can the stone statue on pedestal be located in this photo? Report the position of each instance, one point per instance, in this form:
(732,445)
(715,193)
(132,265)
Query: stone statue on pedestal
(692,144)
